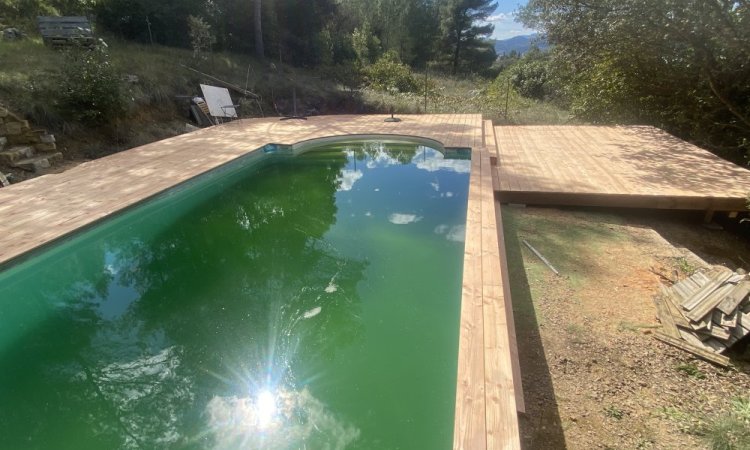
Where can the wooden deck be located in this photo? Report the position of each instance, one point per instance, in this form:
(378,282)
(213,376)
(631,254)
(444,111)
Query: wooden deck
(633,166)
(42,210)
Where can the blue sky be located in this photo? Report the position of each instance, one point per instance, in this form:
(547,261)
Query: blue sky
(504,20)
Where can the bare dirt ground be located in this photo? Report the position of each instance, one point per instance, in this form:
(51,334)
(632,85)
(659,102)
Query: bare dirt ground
(593,375)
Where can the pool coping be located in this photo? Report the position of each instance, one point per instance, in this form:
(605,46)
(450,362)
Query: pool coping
(488,387)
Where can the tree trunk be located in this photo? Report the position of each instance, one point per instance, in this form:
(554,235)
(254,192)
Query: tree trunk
(457,52)
(258,30)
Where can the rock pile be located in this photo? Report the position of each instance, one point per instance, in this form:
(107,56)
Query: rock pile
(12,34)
(23,147)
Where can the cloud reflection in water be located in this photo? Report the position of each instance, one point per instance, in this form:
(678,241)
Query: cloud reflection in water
(277,419)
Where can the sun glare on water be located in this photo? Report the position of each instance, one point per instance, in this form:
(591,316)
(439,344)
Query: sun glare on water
(266,410)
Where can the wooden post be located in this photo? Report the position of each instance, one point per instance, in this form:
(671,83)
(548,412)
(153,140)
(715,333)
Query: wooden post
(150,36)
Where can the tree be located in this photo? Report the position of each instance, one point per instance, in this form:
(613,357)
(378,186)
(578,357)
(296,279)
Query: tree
(459,22)
(366,44)
(258,29)
(679,64)
(407,27)
(201,37)
(165,21)
(299,26)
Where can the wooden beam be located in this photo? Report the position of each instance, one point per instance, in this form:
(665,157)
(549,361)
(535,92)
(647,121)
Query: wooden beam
(500,396)
(720,360)
(469,431)
(517,380)
(604,200)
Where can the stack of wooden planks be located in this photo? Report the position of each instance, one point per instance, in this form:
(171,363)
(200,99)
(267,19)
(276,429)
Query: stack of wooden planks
(706,313)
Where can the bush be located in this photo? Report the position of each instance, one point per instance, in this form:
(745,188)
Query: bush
(389,74)
(530,75)
(201,37)
(90,87)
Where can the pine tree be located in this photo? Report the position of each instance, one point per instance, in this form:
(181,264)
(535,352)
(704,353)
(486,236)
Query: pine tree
(462,28)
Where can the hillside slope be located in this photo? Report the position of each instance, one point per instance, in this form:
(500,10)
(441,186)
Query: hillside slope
(156,85)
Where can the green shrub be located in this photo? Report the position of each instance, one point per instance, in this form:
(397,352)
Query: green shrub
(530,78)
(201,37)
(731,431)
(90,90)
(388,73)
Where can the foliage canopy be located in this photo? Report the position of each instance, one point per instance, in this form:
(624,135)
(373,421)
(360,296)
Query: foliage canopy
(683,65)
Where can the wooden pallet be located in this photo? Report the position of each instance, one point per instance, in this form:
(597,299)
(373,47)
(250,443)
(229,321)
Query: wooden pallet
(65,30)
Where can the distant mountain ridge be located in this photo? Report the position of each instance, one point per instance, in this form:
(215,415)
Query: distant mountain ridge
(520,44)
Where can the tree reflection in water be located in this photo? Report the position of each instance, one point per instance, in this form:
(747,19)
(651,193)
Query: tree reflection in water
(231,314)
(182,308)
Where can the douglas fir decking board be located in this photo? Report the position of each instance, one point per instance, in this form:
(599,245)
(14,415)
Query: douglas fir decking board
(623,166)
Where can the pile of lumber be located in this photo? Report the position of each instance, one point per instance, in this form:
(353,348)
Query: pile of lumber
(706,313)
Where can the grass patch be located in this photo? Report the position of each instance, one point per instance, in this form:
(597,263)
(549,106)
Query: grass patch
(731,430)
(727,431)
(563,238)
(691,370)
(614,412)
(684,266)
(685,422)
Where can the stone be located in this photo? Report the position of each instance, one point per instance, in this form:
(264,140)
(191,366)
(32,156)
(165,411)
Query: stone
(22,139)
(3,142)
(16,153)
(47,138)
(46,147)
(13,128)
(38,163)
(3,112)
(12,34)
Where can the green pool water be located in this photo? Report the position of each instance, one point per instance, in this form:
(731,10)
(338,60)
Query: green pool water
(306,302)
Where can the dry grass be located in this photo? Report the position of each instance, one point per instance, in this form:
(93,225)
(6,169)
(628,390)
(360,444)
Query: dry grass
(462,95)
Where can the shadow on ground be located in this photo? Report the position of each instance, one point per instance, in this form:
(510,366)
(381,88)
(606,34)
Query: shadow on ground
(540,426)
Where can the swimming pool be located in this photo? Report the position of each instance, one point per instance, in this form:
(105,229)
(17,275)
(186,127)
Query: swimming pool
(279,301)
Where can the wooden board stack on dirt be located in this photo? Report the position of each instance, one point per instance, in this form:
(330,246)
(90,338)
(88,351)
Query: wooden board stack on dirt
(706,314)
